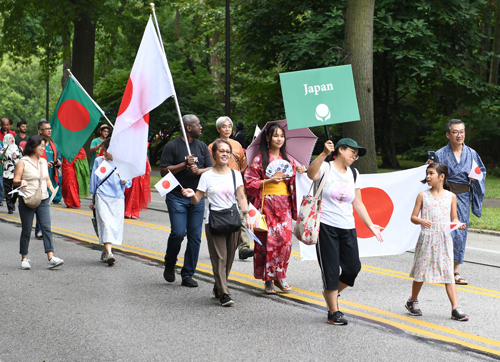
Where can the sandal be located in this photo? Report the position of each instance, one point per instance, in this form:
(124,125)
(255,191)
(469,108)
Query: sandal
(269,287)
(459,280)
(283,285)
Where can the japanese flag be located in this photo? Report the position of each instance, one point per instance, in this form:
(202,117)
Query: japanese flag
(449,227)
(103,169)
(389,199)
(476,172)
(253,213)
(167,184)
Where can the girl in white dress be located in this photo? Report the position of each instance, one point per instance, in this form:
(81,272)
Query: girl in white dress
(433,261)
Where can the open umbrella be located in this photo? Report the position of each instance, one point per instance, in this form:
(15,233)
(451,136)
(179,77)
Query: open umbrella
(299,143)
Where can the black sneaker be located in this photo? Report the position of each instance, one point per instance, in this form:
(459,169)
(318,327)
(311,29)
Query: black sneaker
(337,318)
(189,282)
(413,308)
(215,292)
(458,315)
(169,272)
(246,253)
(226,301)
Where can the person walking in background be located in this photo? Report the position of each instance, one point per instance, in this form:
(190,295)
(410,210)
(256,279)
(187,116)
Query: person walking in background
(75,184)
(53,157)
(21,137)
(10,156)
(109,202)
(239,135)
(32,173)
(223,186)
(186,218)
(138,197)
(95,145)
(276,196)
(433,258)
(5,129)
(337,246)
(237,162)
(459,159)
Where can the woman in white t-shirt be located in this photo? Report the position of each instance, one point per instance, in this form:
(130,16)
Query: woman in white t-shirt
(219,186)
(337,247)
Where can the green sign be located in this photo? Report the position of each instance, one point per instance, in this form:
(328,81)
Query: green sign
(319,97)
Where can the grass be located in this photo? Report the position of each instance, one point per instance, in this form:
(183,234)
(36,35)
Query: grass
(488,220)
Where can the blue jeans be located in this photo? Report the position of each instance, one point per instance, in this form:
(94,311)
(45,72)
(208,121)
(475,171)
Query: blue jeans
(43,215)
(185,219)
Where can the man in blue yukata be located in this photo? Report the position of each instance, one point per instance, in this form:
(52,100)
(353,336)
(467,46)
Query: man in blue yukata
(470,192)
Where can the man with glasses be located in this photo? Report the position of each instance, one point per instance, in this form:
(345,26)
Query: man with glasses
(53,157)
(185,217)
(470,192)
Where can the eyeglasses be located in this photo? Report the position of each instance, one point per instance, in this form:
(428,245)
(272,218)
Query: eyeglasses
(456,133)
(46,129)
(225,151)
(354,152)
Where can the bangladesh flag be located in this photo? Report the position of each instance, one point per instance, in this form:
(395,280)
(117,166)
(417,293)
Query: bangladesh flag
(74,119)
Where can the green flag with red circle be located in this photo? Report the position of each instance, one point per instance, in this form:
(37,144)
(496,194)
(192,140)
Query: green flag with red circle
(74,119)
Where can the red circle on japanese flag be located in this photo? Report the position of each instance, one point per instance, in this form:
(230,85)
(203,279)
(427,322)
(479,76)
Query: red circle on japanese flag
(127,97)
(477,170)
(380,208)
(165,184)
(73,115)
(252,213)
(103,169)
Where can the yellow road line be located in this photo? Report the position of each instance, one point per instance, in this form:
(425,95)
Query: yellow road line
(205,268)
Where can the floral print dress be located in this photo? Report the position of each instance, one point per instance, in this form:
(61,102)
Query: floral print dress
(433,260)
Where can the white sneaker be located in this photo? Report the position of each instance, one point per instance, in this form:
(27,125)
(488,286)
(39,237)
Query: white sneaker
(103,256)
(110,259)
(25,264)
(55,262)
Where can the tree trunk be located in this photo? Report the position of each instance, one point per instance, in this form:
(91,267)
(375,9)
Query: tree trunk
(496,48)
(358,44)
(83,51)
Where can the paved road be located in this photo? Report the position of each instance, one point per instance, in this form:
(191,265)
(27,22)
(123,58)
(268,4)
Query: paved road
(86,311)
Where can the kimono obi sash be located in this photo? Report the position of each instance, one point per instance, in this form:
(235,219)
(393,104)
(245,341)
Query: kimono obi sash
(276,189)
(458,188)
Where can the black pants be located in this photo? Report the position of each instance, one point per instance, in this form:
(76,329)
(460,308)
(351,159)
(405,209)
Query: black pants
(11,199)
(338,248)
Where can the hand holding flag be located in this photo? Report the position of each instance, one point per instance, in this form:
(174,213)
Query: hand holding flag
(167,184)
(448,227)
(476,173)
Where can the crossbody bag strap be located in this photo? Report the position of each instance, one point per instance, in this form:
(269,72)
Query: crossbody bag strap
(322,182)
(103,181)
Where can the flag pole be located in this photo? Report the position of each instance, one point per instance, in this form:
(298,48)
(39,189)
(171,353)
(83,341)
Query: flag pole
(95,104)
(152,5)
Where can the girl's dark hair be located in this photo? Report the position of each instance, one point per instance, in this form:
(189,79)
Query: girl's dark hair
(216,144)
(441,169)
(105,143)
(32,143)
(264,149)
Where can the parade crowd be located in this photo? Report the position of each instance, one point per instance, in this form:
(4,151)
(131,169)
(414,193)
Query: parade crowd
(221,176)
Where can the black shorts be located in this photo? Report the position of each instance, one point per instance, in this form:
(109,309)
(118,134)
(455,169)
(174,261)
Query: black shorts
(338,248)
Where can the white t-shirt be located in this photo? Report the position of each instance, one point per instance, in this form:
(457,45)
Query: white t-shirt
(219,189)
(338,194)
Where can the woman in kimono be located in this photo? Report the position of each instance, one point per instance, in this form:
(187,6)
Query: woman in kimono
(138,197)
(75,184)
(109,205)
(276,196)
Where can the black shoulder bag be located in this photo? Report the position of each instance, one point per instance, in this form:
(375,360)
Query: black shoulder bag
(94,221)
(225,221)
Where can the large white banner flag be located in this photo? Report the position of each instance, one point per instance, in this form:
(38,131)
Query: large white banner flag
(150,83)
(389,199)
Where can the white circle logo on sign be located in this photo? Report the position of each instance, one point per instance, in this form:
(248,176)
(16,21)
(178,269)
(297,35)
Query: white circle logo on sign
(323,113)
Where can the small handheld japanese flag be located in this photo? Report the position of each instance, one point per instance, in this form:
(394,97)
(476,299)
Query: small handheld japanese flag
(253,213)
(476,172)
(167,184)
(449,227)
(103,169)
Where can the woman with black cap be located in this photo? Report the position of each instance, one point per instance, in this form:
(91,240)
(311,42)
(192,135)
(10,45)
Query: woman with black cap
(337,246)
